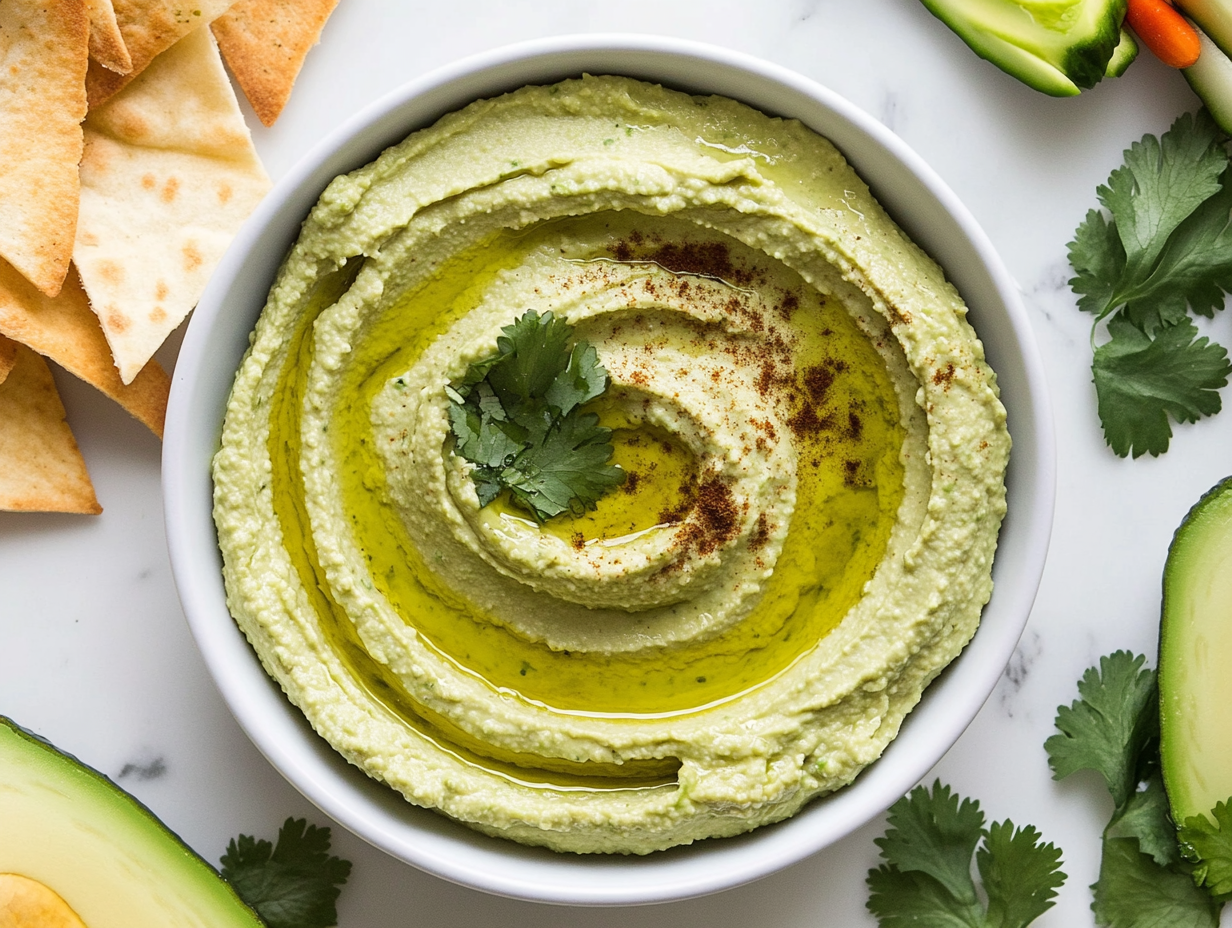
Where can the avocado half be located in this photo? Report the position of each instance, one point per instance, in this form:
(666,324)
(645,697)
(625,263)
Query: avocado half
(1195,652)
(109,857)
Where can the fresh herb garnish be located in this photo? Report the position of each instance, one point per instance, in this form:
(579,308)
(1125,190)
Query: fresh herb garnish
(516,416)
(926,879)
(1166,250)
(1113,729)
(1208,846)
(292,885)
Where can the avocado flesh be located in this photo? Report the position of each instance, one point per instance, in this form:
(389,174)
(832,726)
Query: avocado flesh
(1195,654)
(72,829)
(1058,47)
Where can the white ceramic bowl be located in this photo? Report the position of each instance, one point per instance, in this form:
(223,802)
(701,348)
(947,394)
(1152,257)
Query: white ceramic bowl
(218,336)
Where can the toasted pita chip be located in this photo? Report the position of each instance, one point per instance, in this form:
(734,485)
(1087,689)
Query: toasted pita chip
(106,43)
(41,469)
(8,356)
(264,43)
(44,46)
(168,177)
(65,330)
(148,27)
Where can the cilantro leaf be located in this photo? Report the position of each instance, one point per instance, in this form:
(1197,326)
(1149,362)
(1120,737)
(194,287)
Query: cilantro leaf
(1194,267)
(1098,258)
(533,352)
(935,834)
(1140,381)
(482,439)
(1161,183)
(294,884)
(568,471)
(516,416)
(1021,875)
(1107,727)
(1145,818)
(915,900)
(581,381)
(1209,846)
(925,880)
(1135,892)
(1114,729)
(1164,250)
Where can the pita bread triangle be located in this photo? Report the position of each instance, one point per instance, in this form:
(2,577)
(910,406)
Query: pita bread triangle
(106,43)
(168,176)
(44,48)
(264,43)
(65,330)
(41,468)
(148,28)
(8,356)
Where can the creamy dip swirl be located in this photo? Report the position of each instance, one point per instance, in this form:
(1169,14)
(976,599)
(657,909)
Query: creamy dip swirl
(813,446)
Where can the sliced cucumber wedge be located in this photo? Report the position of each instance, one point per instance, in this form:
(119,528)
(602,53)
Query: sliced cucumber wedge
(1123,55)
(1214,17)
(1211,79)
(1195,659)
(1058,47)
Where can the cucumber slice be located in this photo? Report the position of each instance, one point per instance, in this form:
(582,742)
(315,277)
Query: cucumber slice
(1211,79)
(106,855)
(1214,17)
(1195,654)
(1058,47)
(1123,55)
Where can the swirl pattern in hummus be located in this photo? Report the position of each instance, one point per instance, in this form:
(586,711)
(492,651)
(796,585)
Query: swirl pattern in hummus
(814,447)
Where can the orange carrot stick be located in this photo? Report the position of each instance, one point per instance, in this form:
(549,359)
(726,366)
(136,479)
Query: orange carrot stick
(1164,31)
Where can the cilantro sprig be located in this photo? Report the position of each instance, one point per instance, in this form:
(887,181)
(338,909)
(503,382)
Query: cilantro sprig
(293,884)
(1163,251)
(926,878)
(517,417)
(1113,729)
(1208,846)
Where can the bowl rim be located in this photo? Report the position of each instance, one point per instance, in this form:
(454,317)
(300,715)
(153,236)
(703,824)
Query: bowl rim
(447,849)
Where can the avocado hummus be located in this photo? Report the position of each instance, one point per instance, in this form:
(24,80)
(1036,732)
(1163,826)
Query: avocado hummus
(813,444)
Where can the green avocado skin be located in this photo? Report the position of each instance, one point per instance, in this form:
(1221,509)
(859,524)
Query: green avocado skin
(1195,654)
(108,856)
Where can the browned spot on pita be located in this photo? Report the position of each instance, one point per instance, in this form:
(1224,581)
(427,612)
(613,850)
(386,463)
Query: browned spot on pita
(170,188)
(192,256)
(161,290)
(158,314)
(264,42)
(41,469)
(148,182)
(224,193)
(65,329)
(44,47)
(117,320)
(111,272)
(131,125)
(95,157)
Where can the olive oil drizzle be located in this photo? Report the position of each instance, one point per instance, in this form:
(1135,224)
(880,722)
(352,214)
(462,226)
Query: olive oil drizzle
(381,686)
(831,550)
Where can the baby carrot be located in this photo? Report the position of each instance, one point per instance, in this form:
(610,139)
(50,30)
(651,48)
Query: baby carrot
(1164,31)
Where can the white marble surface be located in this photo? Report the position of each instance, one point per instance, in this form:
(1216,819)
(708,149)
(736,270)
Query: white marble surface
(94,651)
